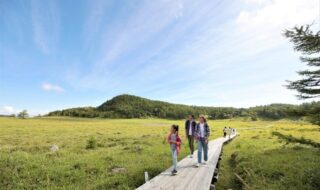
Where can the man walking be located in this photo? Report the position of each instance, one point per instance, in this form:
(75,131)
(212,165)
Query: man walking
(189,128)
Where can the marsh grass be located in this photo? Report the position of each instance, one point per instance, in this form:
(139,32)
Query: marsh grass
(260,159)
(278,157)
(291,139)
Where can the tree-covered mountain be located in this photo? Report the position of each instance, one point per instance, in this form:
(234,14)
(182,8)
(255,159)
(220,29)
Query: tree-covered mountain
(128,106)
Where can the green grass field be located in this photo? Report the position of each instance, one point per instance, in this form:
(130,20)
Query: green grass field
(260,157)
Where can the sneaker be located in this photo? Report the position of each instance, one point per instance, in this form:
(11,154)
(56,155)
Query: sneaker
(191,156)
(174,172)
(197,165)
(204,163)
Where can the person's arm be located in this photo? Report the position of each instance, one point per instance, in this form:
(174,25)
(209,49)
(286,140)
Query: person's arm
(208,133)
(178,142)
(186,127)
(196,133)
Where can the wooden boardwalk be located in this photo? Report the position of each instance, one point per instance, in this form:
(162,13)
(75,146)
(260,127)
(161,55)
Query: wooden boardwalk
(189,177)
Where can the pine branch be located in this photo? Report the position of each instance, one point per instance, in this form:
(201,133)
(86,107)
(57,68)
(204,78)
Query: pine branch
(311,74)
(311,61)
(304,40)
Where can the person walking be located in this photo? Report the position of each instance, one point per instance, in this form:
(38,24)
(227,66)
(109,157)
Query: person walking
(202,133)
(174,141)
(189,128)
(224,131)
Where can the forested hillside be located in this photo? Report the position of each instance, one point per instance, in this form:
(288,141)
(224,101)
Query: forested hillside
(128,106)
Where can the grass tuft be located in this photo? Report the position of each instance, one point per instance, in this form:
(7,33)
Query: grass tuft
(91,143)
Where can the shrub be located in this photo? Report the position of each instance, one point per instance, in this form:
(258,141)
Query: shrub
(91,143)
(254,118)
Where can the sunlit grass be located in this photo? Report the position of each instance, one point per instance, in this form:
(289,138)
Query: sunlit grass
(139,145)
(257,159)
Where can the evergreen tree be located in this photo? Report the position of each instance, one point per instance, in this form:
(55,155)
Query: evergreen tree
(308,43)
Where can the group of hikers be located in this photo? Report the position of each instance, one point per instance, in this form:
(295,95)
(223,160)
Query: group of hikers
(198,132)
(228,131)
(195,131)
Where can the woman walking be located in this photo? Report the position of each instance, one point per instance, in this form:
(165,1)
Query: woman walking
(202,133)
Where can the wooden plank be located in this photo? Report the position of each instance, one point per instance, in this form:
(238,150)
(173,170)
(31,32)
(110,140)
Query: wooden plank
(189,177)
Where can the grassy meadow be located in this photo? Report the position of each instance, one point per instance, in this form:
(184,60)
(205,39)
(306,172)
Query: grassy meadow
(281,155)
(266,155)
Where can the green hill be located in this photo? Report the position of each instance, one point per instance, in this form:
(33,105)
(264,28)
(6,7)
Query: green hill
(129,106)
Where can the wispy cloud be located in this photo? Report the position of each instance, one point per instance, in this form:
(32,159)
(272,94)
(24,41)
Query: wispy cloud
(7,110)
(165,48)
(95,19)
(52,87)
(45,21)
(155,27)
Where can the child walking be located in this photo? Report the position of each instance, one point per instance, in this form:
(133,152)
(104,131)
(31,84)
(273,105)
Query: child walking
(175,144)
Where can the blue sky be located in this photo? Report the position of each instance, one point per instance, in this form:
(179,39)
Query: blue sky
(60,54)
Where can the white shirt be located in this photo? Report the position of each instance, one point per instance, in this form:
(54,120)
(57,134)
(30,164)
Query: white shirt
(201,125)
(190,127)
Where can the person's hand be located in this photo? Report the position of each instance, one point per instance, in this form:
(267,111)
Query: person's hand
(207,141)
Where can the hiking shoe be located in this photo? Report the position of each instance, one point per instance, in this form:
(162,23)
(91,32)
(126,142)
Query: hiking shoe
(197,165)
(174,172)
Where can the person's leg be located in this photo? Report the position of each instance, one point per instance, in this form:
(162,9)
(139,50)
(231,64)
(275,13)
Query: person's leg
(205,151)
(189,141)
(200,144)
(174,158)
(192,144)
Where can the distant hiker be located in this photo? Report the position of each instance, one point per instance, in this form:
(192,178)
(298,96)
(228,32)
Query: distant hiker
(202,133)
(233,131)
(229,132)
(224,131)
(175,145)
(189,128)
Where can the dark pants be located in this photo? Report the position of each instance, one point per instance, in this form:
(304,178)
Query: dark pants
(224,134)
(191,142)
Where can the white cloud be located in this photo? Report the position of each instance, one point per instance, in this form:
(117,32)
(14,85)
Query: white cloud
(52,87)
(283,13)
(7,110)
(266,20)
